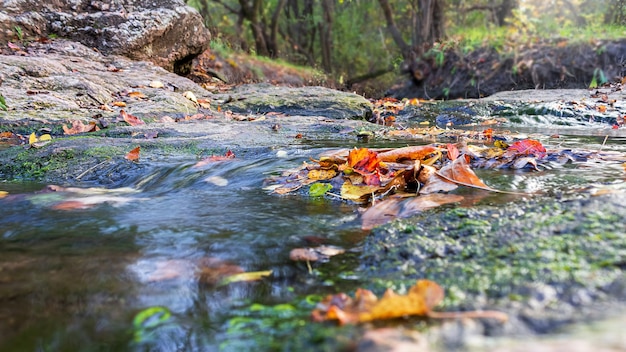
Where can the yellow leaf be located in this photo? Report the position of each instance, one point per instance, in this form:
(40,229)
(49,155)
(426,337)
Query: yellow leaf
(45,137)
(322,174)
(32,138)
(356,193)
(245,277)
(3,194)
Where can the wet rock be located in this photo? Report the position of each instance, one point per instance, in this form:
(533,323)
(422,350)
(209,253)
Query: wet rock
(166,32)
(392,340)
(301,101)
(66,80)
(536,260)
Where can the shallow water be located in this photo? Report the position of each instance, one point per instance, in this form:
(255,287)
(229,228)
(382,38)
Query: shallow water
(75,279)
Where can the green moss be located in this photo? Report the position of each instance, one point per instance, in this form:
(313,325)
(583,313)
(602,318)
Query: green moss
(33,164)
(565,244)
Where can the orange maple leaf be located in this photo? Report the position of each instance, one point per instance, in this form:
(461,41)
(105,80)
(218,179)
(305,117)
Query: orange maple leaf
(133,155)
(365,162)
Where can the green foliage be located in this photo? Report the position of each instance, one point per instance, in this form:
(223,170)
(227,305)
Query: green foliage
(19,32)
(599,78)
(3,103)
(361,42)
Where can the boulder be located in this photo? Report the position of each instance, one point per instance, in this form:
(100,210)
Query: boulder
(166,32)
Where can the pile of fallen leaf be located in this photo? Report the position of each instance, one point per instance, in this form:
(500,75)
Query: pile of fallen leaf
(404,181)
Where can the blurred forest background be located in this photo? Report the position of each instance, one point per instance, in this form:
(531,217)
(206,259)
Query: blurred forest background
(353,41)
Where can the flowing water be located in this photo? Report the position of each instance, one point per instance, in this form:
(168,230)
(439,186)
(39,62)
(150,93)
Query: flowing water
(76,279)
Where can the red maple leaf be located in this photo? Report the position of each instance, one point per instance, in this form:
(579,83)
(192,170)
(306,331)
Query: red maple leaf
(528,147)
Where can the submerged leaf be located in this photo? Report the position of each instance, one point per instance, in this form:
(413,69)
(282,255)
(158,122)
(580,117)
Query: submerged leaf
(245,277)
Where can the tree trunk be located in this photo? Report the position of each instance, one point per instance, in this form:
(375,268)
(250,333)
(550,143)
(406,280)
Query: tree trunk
(505,10)
(326,40)
(405,49)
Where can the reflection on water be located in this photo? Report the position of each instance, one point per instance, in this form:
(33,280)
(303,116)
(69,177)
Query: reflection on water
(74,279)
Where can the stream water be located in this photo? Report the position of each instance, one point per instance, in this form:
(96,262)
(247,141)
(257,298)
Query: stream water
(80,279)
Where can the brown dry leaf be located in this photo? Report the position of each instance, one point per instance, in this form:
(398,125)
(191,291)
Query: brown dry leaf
(412,153)
(315,254)
(459,171)
(419,204)
(399,207)
(432,182)
(130,119)
(166,119)
(119,104)
(133,155)
(79,127)
(380,213)
(137,95)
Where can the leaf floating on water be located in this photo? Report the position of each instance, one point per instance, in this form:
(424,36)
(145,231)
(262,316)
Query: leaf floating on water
(322,174)
(130,119)
(133,155)
(413,153)
(3,194)
(357,193)
(460,172)
(453,151)
(380,213)
(319,189)
(528,147)
(245,277)
(392,208)
(433,183)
